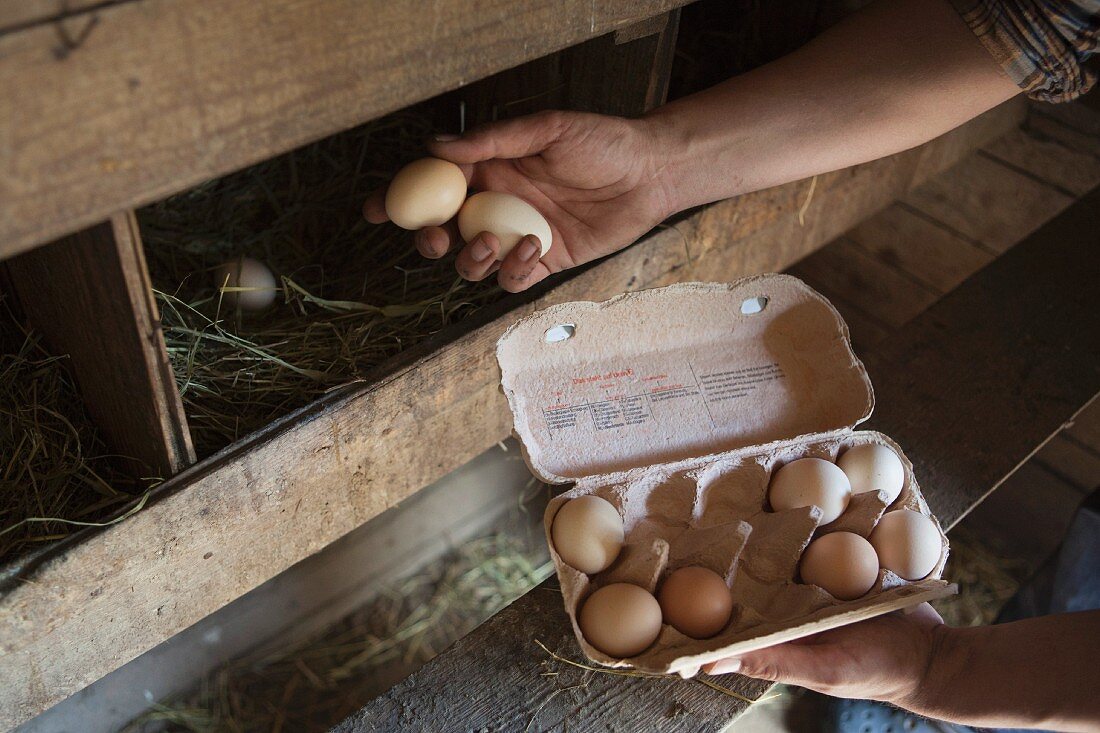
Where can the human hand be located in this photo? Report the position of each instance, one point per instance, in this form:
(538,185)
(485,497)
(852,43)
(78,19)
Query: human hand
(884,658)
(595,178)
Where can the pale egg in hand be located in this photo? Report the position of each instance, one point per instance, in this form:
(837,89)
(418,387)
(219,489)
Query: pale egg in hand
(908,543)
(587,533)
(254,277)
(695,601)
(842,563)
(621,620)
(872,467)
(509,217)
(811,482)
(427,192)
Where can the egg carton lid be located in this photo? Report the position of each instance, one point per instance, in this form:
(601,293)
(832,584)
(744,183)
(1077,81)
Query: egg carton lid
(679,372)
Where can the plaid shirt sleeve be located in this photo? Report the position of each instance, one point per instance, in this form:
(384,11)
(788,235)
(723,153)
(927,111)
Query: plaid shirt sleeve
(1041,44)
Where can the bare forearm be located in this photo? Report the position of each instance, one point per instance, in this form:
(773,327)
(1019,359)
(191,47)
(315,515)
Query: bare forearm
(1038,673)
(890,77)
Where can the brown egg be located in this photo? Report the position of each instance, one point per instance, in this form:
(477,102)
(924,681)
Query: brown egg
(810,482)
(587,533)
(426,192)
(695,601)
(842,563)
(621,620)
(907,543)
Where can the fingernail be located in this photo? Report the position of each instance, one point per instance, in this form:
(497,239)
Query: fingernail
(480,252)
(724,666)
(446,137)
(528,248)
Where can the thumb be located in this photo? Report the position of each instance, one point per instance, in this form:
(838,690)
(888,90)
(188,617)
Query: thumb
(516,138)
(790,663)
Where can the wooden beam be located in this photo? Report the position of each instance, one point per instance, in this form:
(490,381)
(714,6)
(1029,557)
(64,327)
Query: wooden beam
(971,389)
(15,14)
(163,94)
(89,295)
(314,476)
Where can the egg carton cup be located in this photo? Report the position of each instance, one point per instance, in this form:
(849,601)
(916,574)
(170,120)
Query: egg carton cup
(677,405)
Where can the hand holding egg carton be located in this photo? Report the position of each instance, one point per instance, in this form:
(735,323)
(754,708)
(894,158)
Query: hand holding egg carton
(687,538)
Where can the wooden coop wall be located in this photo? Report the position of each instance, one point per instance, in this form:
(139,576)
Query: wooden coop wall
(211,86)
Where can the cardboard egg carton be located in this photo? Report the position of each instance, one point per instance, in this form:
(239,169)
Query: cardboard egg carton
(676,405)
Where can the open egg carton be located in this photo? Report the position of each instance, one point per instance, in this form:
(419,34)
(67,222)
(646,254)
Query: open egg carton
(677,405)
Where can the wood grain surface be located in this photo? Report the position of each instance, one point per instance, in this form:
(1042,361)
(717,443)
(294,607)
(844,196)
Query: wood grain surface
(90,297)
(101,599)
(970,389)
(159,95)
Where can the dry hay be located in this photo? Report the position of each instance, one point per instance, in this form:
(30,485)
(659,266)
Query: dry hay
(354,294)
(313,686)
(987,579)
(57,474)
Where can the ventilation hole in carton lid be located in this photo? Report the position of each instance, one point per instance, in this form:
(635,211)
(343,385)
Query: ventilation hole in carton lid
(561,332)
(753,305)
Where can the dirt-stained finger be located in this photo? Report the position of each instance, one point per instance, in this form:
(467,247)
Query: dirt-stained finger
(478,259)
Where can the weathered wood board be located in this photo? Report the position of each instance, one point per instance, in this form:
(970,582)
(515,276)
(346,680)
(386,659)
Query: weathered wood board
(102,599)
(954,199)
(970,390)
(89,295)
(163,94)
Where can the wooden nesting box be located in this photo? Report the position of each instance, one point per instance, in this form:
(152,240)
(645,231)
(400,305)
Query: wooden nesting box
(113,106)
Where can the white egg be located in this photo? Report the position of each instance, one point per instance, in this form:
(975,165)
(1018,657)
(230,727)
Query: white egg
(426,192)
(908,543)
(873,467)
(810,482)
(254,276)
(507,216)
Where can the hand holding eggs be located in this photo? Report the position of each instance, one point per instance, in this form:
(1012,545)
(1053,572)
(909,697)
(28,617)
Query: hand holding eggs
(430,192)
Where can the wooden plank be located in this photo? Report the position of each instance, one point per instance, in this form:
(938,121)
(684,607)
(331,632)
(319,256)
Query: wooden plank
(211,86)
(325,470)
(1081,116)
(955,389)
(979,184)
(1045,128)
(20,13)
(1034,507)
(296,607)
(90,296)
(1075,463)
(933,254)
(1086,428)
(882,292)
(604,75)
(1027,363)
(1075,170)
